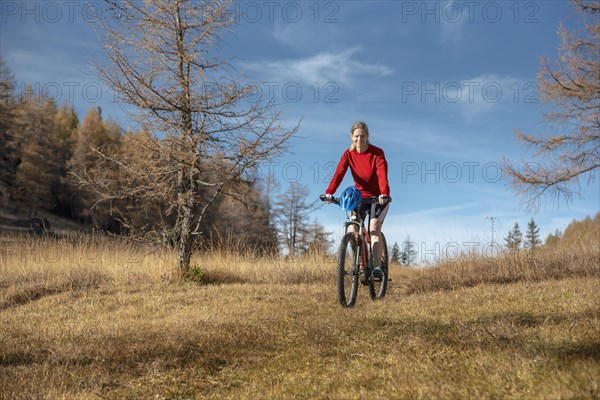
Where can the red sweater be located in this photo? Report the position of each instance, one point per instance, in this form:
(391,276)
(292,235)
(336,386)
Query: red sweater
(369,170)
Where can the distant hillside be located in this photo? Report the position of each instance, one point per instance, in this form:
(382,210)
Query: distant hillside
(19,222)
(586,229)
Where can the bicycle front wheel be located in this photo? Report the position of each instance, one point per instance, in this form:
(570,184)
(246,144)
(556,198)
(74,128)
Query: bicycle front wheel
(378,287)
(347,278)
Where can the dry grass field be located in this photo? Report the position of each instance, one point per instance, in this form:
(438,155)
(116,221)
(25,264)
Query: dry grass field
(92,318)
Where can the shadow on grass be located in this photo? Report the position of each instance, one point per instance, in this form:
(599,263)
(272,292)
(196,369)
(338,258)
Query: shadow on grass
(35,291)
(576,351)
(31,294)
(208,348)
(514,332)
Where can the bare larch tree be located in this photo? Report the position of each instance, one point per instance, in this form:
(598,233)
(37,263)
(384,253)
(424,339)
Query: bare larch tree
(292,212)
(573,87)
(197,133)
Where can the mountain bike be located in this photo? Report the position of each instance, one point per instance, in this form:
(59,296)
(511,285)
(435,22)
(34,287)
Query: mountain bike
(355,253)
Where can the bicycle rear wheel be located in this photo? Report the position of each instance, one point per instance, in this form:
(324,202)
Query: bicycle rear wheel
(347,278)
(378,288)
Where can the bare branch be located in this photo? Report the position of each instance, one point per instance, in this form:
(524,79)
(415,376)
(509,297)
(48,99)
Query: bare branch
(574,87)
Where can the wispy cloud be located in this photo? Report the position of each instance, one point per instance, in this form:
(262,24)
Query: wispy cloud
(453,22)
(477,96)
(422,138)
(432,212)
(341,67)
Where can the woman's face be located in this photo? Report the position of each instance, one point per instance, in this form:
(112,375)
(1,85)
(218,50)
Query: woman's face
(360,138)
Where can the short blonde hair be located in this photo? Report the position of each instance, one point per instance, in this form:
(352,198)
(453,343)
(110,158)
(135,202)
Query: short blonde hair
(359,125)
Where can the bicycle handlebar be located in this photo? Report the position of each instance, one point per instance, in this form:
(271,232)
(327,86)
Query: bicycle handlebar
(368,200)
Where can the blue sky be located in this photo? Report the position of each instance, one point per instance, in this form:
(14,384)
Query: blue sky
(442,86)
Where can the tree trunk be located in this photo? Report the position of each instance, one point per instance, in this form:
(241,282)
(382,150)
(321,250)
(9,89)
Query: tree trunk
(187,187)
(184,247)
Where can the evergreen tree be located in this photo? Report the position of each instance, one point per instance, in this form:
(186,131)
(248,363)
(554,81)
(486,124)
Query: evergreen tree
(532,237)
(39,165)
(8,149)
(62,137)
(265,188)
(395,255)
(514,238)
(518,236)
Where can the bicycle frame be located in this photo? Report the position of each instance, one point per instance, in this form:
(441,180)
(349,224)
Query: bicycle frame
(363,248)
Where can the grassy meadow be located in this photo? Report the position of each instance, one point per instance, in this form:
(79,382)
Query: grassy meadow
(95,318)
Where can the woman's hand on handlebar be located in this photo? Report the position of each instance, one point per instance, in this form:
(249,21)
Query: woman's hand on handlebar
(327,198)
(383,199)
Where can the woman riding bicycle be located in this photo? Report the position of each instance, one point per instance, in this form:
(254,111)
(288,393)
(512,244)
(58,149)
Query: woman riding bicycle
(369,169)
